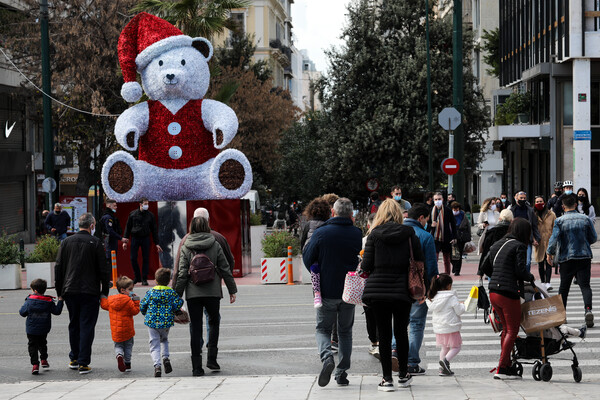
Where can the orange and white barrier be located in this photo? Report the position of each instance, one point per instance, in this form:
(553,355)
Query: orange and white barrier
(113,260)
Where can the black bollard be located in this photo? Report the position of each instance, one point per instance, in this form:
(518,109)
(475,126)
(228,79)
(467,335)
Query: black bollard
(22,252)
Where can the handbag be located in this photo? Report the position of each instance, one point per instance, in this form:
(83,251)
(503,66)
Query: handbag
(416,285)
(455,253)
(480,231)
(181,317)
(469,247)
(354,286)
(471,302)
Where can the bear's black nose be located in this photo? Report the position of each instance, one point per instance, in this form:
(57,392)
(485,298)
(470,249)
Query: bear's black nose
(170,76)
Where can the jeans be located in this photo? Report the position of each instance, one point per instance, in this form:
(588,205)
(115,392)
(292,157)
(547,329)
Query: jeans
(124,348)
(371,325)
(399,312)
(83,315)
(144,243)
(509,312)
(208,322)
(528,265)
(418,316)
(580,269)
(326,315)
(61,237)
(158,337)
(196,308)
(37,343)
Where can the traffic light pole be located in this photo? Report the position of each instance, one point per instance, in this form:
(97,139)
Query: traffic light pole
(457,98)
(47,106)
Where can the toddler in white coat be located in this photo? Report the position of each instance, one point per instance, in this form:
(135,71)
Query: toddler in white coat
(447,309)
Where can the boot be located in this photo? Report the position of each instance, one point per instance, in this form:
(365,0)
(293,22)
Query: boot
(211,362)
(197,366)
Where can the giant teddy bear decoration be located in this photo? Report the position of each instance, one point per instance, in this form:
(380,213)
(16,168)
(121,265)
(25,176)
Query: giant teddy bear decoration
(177,133)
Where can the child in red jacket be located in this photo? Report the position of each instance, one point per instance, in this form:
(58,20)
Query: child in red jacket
(121,309)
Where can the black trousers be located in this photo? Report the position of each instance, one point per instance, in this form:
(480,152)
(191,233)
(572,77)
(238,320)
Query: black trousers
(196,308)
(400,313)
(580,269)
(371,324)
(457,264)
(83,315)
(144,244)
(37,344)
(545,271)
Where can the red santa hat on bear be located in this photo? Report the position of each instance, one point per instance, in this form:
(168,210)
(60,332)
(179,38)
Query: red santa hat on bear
(144,38)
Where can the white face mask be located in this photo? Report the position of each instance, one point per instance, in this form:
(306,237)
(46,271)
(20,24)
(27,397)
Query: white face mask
(493,207)
(93,229)
(455,212)
(438,203)
(145,207)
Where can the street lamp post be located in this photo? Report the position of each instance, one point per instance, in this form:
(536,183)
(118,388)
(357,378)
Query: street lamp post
(47,106)
(429,134)
(457,98)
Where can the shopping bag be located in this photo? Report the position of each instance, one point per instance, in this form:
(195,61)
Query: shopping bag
(541,314)
(354,286)
(456,253)
(471,302)
(469,247)
(483,302)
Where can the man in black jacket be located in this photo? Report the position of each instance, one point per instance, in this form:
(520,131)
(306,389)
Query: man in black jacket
(443,229)
(58,222)
(81,275)
(111,228)
(140,225)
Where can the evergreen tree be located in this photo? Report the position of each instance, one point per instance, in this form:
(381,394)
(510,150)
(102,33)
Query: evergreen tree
(238,52)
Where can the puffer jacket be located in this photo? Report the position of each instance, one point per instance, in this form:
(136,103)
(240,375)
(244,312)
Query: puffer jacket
(121,309)
(159,305)
(38,309)
(387,259)
(446,309)
(507,271)
(308,231)
(203,242)
(492,235)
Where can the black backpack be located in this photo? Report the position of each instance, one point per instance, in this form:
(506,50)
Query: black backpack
(202,270)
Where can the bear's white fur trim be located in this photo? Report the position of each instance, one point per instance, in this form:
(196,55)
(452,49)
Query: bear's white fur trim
(131,92)
(156,49)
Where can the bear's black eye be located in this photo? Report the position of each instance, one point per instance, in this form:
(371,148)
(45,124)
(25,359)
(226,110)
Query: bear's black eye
(182,62)
(160,63)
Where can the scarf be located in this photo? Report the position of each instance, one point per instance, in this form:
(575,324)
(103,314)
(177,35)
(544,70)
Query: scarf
(437,214)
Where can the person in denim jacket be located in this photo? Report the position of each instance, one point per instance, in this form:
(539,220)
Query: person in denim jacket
(572,235)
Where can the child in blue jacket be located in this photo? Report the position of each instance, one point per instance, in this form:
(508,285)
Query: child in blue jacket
(38,309)
(159,306)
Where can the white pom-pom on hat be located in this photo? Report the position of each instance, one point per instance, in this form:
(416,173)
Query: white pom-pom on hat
(131,92)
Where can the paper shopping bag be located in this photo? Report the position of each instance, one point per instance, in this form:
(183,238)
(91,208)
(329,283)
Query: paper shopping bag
(543,314)
(471,302)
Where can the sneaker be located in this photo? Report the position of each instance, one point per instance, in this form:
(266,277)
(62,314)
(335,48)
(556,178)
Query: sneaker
(44,364)
(503,374)
(549,286)
(157,371)
(74,365)
(582,331)
(445,364)
(167,365)
(318,301)
(334,346)
(386,386)
(374,351)
(325,375)
(84,369)
(120,363)
(342,379)
(35,369)
(405,381)
(416,370)
(127,367)
(395,364)
(144,282)
(589,318)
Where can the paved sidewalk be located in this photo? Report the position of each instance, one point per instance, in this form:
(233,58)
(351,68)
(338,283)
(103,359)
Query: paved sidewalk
(298,387)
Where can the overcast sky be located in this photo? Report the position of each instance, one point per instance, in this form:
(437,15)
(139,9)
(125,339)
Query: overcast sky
(317,26)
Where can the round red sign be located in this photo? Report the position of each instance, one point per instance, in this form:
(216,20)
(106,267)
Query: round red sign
(450,166)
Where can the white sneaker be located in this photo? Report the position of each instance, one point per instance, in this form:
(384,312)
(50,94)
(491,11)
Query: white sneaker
(374,351)
(548,286)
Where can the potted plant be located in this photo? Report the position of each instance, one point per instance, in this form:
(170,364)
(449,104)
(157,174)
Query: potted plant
(257,233)
(10,269)
(516,108)
(40,262)
(273,267)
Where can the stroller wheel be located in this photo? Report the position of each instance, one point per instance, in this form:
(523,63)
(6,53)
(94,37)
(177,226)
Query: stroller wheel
(546,372)
(518,367)
(535,371)
(576,373)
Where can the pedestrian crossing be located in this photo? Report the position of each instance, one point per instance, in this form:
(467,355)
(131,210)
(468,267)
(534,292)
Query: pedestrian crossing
(481,346)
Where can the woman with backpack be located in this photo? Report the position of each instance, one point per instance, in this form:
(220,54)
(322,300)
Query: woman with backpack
(505,265)
(199,253)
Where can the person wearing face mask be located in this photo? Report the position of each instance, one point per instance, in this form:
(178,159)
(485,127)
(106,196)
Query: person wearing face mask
(488,215)
(557,192)
(396,194)
(443,229)
(504,200)
(463,235)
(546,220)
(140,225)
(522,209)
(567,191)
(109,228)
(583,204)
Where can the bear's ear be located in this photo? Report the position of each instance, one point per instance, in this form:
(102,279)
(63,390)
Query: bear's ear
(203,46)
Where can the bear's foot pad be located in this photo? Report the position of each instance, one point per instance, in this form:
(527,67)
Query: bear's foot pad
(231,174)
(120,177)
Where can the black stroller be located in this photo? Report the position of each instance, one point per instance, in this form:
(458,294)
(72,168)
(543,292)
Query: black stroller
(538,347)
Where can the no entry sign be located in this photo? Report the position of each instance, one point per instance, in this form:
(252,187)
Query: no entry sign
(450,166)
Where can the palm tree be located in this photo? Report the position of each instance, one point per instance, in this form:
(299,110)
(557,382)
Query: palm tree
(194,17)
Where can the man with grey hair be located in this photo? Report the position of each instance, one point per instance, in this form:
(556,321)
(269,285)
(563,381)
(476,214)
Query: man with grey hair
(81,276)
(335,246)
